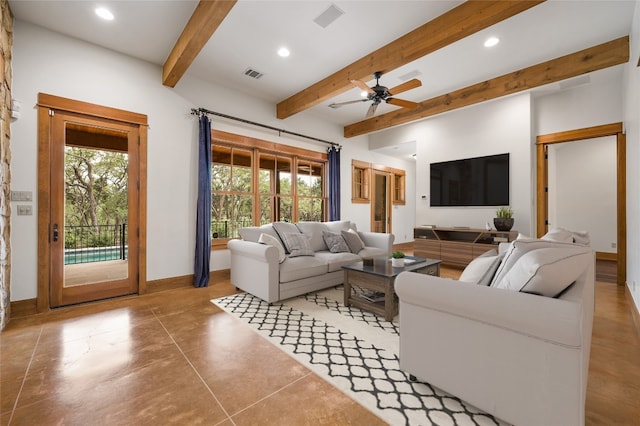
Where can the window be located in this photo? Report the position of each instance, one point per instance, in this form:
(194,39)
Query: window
(360,174)
(254,182)
(399,186)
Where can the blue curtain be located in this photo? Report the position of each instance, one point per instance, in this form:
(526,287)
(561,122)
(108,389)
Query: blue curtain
(334,182)
(203,218)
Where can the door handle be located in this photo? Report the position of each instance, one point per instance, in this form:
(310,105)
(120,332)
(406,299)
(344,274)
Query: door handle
(55,232)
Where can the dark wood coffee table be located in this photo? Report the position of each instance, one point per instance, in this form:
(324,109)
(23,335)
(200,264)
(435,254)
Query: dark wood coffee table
(381,277)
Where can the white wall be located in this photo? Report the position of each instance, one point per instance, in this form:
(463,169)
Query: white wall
(494,127)
(632,126)
(51,63)
(582,189)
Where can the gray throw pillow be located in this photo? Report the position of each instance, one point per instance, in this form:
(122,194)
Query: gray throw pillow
(299,245)
(353,241)
(283,228)
(335,242)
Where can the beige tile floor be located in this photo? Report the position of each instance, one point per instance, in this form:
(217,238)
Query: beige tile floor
(175,358)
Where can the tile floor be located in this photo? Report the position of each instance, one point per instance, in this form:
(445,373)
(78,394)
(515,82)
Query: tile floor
(175,358)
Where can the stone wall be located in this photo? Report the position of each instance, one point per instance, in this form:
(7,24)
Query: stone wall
(6,42)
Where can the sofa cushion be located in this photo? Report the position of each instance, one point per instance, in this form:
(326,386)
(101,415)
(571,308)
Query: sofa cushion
(547,271)
(297,268)
(518,248)
(299,245)
(353,240)
(273,241)
(481,269)
(372,252)
(335,242)
(285,228)
(335,261)
(252,233)
(314,231)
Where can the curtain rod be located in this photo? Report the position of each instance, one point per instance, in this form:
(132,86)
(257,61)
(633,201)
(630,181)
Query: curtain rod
(198,111)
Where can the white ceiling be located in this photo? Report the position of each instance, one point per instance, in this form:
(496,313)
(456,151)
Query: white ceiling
(254,30)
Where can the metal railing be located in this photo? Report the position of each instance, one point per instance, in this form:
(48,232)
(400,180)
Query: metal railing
(228,228)
(85,244)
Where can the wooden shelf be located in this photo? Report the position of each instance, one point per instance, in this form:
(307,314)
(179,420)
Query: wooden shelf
(457,246)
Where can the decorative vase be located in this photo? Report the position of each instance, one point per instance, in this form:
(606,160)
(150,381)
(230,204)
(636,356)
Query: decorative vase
(503,223)
(397,262)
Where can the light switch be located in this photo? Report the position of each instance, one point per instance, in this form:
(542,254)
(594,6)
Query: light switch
(25,210)
(21,196)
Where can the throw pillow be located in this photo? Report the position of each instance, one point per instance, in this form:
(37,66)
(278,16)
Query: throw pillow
(273,241)
(335,242)
(353,241)
(481,269)
(559,235)
(299,245)
(283,228)
(518,248)
(314,231)
(252,233)
(547,271)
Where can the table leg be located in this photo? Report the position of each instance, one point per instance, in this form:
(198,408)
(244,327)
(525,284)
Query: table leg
(347,289)
(388,300)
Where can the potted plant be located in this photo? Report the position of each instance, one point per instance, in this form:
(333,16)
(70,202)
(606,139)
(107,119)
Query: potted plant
(397,259)
(504,219)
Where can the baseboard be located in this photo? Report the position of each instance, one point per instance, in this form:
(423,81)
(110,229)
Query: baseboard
(634,309)
(600,255)
(164,284)
(23,308)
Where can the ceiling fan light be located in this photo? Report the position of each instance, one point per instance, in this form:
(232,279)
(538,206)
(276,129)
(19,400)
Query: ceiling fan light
(491,41)
(283,52)
(364,94)
(104,13)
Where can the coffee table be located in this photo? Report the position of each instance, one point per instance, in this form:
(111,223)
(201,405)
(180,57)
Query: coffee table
(381,277)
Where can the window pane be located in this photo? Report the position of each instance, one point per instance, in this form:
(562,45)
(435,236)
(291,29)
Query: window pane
(304,179)
(267,171)
(241,173)
(266,208)
(285,209)
(309,209)
(220,214)
(316,180)
(221,168)
(284,176)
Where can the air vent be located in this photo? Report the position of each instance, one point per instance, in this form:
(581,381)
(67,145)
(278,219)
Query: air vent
(253,73)
(328,16)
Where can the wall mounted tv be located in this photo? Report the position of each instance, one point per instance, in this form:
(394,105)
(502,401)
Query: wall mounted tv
(480,181)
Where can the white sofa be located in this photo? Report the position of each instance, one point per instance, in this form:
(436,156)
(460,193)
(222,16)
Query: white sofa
(272,273)
(521,357)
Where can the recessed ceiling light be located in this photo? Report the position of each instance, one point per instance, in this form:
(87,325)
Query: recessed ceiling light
(284,52)
(491,41)
(104,13)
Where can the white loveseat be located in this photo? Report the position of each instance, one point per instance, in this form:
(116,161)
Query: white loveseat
(522,357)
(274,269)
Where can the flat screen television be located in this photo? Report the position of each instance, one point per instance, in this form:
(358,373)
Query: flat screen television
(479,181)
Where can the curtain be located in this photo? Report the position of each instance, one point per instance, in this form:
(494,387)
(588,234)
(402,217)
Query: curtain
(203,215)
(334,182)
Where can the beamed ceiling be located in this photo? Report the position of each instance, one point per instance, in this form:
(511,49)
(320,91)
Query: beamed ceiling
(437,42)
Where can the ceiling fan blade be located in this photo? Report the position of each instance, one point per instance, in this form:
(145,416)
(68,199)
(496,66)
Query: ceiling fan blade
(372,110)
(402,103)
(339,104)
(362,86)
(407,85)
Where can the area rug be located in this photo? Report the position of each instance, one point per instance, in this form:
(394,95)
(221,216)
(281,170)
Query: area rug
(357,352)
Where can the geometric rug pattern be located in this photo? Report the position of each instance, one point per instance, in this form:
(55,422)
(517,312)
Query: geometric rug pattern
(368,373)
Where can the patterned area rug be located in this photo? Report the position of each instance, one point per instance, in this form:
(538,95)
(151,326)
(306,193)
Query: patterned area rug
(357,352)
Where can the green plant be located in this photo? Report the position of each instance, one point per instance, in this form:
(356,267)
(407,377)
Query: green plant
(397,255)
(504,213)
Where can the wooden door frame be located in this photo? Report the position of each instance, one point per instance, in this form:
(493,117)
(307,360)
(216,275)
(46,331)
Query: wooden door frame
(46,103)
(542,202)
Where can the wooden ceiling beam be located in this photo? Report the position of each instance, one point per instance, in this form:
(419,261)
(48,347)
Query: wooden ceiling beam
(456,24)
(595,58)
(206,18)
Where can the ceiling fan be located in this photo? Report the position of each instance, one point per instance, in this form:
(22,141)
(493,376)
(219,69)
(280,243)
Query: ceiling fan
(380,93)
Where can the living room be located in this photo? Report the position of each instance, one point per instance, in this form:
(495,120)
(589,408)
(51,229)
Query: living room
(48,62)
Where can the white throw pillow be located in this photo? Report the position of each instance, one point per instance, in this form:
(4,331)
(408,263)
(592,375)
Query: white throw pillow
(273,241)
(547,271)
(481,269)
(518,248)
(353,240)
(299,245)
(560,235)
